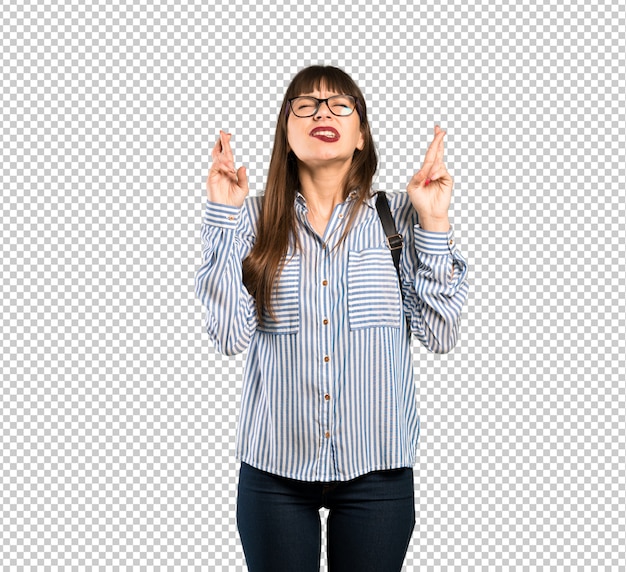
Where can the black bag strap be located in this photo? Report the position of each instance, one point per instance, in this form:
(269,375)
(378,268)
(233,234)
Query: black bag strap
(394,240)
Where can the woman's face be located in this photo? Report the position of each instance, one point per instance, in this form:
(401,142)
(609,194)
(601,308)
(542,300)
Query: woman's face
(324,138)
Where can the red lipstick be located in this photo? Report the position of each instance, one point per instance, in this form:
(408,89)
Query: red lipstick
(328,134)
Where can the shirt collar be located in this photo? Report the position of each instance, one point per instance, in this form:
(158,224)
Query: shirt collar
(370,201)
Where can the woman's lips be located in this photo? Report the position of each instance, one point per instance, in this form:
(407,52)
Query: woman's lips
(328,134)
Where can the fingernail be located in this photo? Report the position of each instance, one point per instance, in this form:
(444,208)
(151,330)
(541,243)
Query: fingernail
(426,182)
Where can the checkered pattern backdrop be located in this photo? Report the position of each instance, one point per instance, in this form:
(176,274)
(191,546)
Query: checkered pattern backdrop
(118,419)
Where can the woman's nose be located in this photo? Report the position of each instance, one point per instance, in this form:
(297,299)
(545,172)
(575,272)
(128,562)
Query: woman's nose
(326,113)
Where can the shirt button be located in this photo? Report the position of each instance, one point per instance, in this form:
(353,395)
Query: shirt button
(327,434)
(326,359)
(327,397)
(340,215)
(451,241)
(324,282)
(325,322)
(231,217)
(324,245)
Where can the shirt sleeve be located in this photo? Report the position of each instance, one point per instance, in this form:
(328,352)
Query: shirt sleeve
(230,312)
(434,282)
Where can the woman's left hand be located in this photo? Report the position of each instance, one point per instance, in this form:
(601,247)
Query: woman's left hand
(430,189)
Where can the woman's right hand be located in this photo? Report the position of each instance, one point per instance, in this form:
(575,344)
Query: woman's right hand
(225,185)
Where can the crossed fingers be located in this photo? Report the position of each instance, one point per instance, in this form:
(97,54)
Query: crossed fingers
(222,155)
(433,167)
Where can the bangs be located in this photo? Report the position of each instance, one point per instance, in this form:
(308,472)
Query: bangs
(315,77)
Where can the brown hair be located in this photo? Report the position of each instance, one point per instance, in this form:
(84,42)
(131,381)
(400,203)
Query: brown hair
(277,221)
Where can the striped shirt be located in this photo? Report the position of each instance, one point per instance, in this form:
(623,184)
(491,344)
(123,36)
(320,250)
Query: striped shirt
(329,391)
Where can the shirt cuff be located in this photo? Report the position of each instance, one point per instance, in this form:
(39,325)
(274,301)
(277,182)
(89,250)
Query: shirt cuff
(431,242)
(224,216)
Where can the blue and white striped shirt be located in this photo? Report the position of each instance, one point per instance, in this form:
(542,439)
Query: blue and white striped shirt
(328,390)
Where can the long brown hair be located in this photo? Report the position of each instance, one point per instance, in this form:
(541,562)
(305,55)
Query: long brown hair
(277,221)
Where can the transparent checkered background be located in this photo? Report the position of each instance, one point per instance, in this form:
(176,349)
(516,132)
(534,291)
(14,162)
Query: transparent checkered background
(118,419)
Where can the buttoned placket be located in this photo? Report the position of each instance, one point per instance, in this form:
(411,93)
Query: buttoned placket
(325,290)
(324,308)
(326,351)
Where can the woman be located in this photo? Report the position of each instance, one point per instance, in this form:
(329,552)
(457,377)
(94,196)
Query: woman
(303,278)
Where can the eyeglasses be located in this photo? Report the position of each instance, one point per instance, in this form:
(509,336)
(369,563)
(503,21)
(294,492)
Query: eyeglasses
(306,106)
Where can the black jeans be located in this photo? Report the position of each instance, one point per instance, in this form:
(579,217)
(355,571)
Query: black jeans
(370,521)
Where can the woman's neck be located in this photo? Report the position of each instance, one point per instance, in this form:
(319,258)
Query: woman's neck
(323,190)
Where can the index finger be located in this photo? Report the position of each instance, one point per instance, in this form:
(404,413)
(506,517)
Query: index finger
(439,157)
(435,149)
(226,149)
(217,149)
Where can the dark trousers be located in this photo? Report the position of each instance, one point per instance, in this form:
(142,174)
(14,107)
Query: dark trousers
(370,521)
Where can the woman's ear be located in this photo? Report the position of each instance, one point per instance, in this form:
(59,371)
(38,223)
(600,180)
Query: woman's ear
(361,142)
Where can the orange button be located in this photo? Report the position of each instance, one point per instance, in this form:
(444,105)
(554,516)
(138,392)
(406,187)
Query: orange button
(324,282)
(326,359)
(325,321)
(327,434)
(327,397)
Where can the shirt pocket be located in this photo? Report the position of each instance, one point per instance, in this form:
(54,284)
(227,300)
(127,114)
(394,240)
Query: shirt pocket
(285,300)
(373,290)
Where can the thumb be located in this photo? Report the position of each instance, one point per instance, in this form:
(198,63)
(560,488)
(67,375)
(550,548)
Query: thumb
(421,179)
(242,178)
